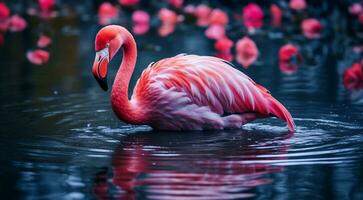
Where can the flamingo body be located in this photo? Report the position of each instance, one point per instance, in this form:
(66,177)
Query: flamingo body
(185,92)
(190,92)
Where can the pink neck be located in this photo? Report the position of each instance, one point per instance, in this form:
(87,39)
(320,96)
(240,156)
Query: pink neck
(126,110)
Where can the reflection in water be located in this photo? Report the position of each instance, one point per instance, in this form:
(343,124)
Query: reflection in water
(161,166)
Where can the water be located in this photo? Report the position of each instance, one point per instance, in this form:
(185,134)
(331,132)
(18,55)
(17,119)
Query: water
(60,139)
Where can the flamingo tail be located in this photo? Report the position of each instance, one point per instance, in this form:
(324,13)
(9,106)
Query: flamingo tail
(278,110)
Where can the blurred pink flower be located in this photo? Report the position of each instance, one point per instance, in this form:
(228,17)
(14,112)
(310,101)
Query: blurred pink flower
(297,4)
(252,16)
(276,15)
(2,39)
(167,16)
(4,11)
(107,13)
(176,3)
(218,17)
(38,57)
(228,56)
(46,5)
(223,44)
(215,32)
(190,9)
(246,52)
(311,28)
(355,9)
(44,41)
(140,20)
(17,23)
(202,13)
(128,2)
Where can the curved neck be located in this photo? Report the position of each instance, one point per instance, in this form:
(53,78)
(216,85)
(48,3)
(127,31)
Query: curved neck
(126,110)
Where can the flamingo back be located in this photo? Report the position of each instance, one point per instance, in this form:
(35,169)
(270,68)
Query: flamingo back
(200,92)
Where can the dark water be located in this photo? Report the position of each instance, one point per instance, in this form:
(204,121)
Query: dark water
(60,139)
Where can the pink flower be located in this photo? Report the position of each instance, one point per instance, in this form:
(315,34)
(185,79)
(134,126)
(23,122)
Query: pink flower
(2,39)
(17,23)
(360,18)
(166,29)
(288,51)
(276,15)
(202,13)
(353,77)
(44,41)
(215,32)
(218,17)
(246,51)
(288,54)
(176,3)
(225,56)
(107,13)
(297,4)
(46,5)
(141,20)
(311,28)
(288,67)
(140,17)
(223,44)
(168,16)
(4,11)
(190,9)
(355,9)
(252,16)
(128,2)
(38,57)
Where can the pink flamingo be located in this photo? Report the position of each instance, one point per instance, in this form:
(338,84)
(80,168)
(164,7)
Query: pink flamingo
(185,92)
(141,22)
(44,41)
(353,77)
(297,4)
(107,13)
(311,28)
(276,15)
(252,17)
(246,51)
(46,8)
(38,57)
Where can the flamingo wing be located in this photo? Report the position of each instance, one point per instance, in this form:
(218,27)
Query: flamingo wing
(199,92)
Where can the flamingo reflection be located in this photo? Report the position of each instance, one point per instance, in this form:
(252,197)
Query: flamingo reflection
(217,165)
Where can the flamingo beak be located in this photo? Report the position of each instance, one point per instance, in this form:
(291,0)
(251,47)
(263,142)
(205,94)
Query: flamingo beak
(100,66)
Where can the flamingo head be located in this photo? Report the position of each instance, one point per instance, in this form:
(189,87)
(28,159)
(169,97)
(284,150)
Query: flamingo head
(108,42)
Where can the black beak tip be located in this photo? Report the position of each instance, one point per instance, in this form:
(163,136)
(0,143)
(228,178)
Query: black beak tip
(103,83)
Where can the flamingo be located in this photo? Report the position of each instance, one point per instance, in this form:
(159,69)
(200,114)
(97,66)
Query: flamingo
(141,22)
(185,92)
(17,23)
(353,76)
